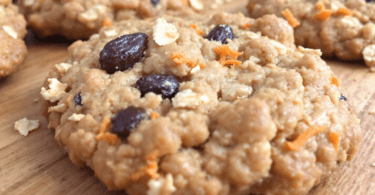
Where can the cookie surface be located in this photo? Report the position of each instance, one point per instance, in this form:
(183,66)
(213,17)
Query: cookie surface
(194,115)
(344,29)
(81,18)
(12,31)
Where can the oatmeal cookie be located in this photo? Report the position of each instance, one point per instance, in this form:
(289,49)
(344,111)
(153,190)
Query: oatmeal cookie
(12,31)
(345,29)
(80,19)
(220,104)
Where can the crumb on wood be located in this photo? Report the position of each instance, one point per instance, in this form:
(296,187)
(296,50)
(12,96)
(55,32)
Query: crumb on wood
(371,112)
(373,164)
(24,126)
(36,100)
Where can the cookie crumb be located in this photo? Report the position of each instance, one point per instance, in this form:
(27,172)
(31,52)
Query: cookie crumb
(24,126)
(371,112)
(63,67)
(188,99)
(373,164)
(164,33)
(10,31)
(369,55)
(36,100)
(110,33)
(196,4)
(55,91)
(76,117)
(312,51)
(161,185)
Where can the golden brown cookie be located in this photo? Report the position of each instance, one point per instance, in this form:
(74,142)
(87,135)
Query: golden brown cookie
(12,31)
(200,105)
(80,19)
(340,28)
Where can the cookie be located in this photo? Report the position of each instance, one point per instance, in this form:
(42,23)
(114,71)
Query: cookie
(12,31)
(81,18)
(220,104)
(344,29)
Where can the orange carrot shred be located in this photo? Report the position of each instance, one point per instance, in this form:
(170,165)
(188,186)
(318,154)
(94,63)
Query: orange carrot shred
(232,62)
(225,51)
(109,137)
(290,17)
(320,6)
(201,65)
(154,115)
(342,11)
(104,125)
(180,59)
(302,139)
(247,25)
(106,22)
(335,140)
(194,26)
(335,81)
(323,15)
(151,168)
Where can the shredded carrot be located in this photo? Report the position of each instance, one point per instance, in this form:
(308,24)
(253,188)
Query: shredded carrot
(194,26)
(201,65)
(232,62)
(335,81)
(302,139)
(179,58)
(290,17)
(247,25)
(109,137)
(153,155)
(320,6)
(335,140)
(104,125)
(179,24)
(154,115)
(342,11)
(106,22)
(151,168)
(323,15)
(225,51)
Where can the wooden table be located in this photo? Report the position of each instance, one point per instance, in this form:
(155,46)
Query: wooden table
(37,165)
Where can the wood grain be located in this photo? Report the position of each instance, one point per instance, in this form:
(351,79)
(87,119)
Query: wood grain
(37,165)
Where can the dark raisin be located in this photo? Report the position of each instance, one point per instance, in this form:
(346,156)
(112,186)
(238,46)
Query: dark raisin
(343,98)
(123,52)
(165,85)
(155,2)
(78,99)
(126,120)
(370,1)
(221,33)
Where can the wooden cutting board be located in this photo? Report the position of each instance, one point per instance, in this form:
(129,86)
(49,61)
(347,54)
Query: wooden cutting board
(37,165)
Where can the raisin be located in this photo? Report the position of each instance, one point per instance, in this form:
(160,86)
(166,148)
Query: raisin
(343,98)
(221,33)
(78,99)
(165,85)
(123,52)
(370,1)
(154,2)
(126,120)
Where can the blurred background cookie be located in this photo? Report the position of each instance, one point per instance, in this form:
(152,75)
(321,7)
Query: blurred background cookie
(12,31)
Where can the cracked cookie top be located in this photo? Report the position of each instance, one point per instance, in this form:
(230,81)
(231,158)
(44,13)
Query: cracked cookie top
(220,104)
